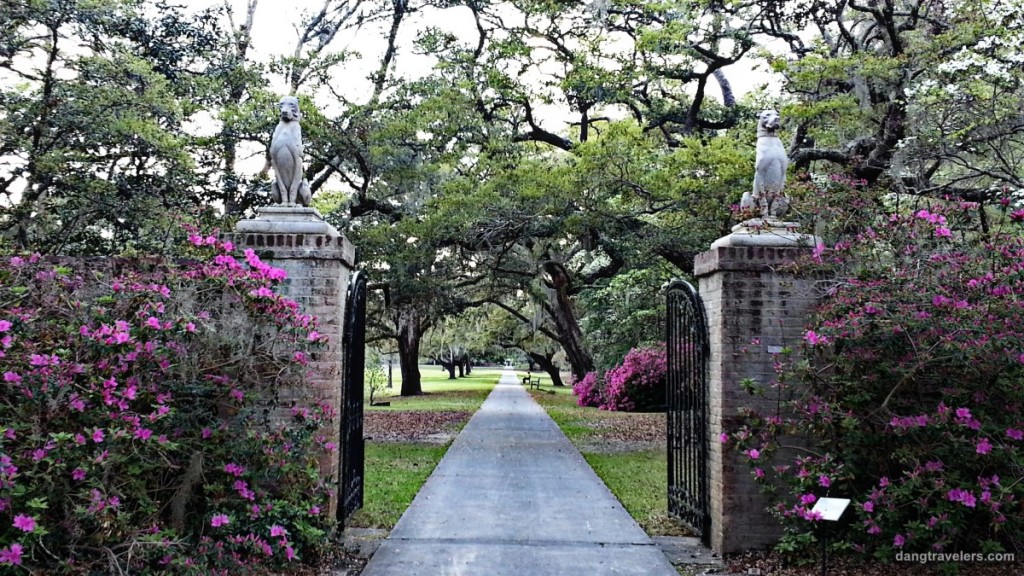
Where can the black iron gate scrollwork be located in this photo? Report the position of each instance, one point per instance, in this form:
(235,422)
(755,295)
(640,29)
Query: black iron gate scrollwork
(687,417)
(350,490)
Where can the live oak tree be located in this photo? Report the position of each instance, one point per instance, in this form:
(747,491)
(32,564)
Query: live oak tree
(921,97)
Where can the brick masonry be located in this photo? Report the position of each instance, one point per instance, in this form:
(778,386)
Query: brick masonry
(746,297)
(318,268)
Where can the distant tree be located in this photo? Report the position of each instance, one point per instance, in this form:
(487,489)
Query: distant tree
(93,154)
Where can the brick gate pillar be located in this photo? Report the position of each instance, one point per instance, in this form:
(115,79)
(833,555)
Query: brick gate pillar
(753,310)
(319,261)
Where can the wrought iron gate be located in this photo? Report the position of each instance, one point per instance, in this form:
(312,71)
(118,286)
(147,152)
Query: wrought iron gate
(688,350)
(350,491)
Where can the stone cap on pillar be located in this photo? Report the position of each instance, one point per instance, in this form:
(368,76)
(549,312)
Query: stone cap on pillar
(292,232)
(760,232)
(753,258)
(287,220)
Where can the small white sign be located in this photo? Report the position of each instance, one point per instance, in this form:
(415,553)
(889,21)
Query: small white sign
(831,508)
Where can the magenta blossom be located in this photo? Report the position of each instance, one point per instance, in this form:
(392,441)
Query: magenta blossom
(25,523)
(219,520)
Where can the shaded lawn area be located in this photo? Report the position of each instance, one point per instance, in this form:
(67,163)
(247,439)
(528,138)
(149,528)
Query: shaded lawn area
(626,450)
(407,439)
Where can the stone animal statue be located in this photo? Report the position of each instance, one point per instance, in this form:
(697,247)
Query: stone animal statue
(289,187)
(770,165)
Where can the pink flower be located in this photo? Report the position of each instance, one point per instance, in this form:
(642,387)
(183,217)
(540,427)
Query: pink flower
(43,360)
(4,325)
(1015,433)
(12,377)
(243,490)
(314,510)
(814,339)
(868,506)
(759,472)
(313,336)
(942,232)
(234,469)
(78,474)
(289,553)
(153,322)
(219,520)
(899,541)
(276,531)
(723,437)
(11,555)
(963,496)
(808,499)
(262,292)
(983,447)
(754,453)
(817,252)
(25,523)
(824,481)
(97,435)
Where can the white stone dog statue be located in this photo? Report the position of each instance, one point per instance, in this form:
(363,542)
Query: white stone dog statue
(289,187)
(770,164)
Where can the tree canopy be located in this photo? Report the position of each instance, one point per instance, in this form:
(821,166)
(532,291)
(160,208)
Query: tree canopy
(546,172)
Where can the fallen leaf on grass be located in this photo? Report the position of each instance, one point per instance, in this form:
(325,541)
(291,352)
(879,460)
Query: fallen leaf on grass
(413,426)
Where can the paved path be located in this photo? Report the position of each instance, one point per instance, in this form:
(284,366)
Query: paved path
(513,497)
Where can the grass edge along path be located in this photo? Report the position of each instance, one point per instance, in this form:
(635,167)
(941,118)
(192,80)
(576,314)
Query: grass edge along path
(638,478)
(396,470)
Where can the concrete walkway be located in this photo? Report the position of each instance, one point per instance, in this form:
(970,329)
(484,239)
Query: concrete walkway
(513,497)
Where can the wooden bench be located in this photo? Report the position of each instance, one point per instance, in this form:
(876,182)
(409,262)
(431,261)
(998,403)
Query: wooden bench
(533,381)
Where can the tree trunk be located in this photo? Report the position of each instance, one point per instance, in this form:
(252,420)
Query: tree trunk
(408,324)
(548,366)
(462,368)
(561,310)
(449,366)
(469,365)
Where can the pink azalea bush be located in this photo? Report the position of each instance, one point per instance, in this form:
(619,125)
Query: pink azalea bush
(912,395)
(150,421)
(588,391)
(636,384)
(639,382)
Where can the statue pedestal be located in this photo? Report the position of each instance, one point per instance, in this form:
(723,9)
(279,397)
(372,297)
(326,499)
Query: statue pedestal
(766,232)
(283,219)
